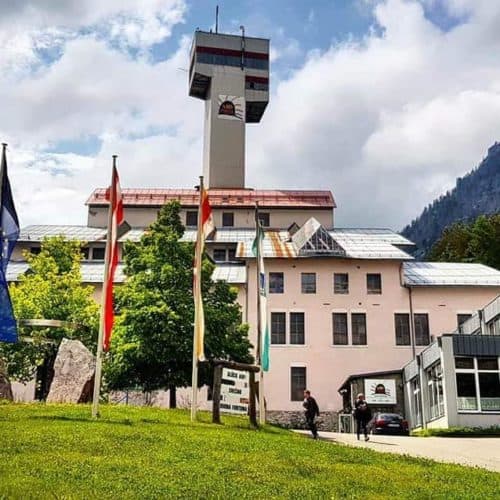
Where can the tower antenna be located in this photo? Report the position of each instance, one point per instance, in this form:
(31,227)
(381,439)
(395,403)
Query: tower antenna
(216,19)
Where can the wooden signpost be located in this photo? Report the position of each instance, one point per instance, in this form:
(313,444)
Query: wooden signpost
(238,384)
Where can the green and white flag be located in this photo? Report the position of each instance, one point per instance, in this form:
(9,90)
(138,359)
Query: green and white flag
(262,295)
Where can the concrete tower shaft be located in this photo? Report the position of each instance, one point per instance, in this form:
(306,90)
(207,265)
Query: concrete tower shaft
(231,74)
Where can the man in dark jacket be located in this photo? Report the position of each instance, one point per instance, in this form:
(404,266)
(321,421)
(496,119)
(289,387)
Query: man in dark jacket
(311,412)
(362,414)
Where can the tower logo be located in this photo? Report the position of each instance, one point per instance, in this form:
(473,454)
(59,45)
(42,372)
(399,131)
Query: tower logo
(231,107)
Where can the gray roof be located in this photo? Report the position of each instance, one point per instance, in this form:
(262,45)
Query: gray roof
(356,243)
(230,273)
(92,272)
(82,233)
(449,274)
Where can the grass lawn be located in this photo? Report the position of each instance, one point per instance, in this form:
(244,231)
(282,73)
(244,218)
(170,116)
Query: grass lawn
(57,451)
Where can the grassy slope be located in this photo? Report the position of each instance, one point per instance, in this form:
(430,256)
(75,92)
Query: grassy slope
(57,451)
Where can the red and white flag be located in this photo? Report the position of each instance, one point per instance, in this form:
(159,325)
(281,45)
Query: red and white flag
(206,227)
(114,196)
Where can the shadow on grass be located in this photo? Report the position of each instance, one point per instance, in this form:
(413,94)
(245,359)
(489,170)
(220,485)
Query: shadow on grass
(87,420)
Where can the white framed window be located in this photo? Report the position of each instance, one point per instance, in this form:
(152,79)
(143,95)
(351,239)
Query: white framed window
(478,383)
(298,382)
(288,331)
(434,376)
(416,402)
(308,282)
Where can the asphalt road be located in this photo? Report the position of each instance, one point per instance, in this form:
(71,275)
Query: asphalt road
(480,452)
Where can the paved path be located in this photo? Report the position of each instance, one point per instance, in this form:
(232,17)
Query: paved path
(480,451)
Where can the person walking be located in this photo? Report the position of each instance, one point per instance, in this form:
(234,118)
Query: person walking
(311,412)
(362,415)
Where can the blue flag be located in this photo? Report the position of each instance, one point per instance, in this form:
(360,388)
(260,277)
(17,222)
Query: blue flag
(9,232)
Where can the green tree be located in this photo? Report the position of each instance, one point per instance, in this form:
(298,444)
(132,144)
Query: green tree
(153,338)
(478,241)
(50,289)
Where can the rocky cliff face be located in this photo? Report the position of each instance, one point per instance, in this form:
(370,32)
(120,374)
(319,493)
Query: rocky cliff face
(475,194)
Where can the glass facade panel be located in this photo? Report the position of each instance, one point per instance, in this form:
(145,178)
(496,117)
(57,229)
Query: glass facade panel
(489,390)
(466,391)
(467,363)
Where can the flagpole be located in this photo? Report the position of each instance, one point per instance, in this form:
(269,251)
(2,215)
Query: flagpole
(196,291)
(262,414)
(98,364)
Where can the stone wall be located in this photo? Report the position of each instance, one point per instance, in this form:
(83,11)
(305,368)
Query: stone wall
(327,421)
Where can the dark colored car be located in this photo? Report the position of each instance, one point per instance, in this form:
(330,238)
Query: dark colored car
(388,423)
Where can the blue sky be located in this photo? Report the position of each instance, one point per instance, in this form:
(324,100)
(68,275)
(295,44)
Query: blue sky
(384,102)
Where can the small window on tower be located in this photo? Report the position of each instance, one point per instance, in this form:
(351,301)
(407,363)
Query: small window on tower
(227,219)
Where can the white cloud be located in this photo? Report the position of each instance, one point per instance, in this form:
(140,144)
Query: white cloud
(386,122)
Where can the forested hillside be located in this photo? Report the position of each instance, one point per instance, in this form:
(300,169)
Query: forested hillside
(475,194)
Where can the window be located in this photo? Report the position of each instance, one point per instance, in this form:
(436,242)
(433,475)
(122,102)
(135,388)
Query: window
(478,374)
(231,254)
(422,336)
(276,282)
(340,283)
(339,328)
(278,328)
(358,322)
(374,283)
(297,328)
(219,254)
(227,219)
(466,391)
(264,219)
(402,327)
(252,85)
(417,403)
(462,318)
(308,281)
(435,391)
(298,382)
(85,253)
(192,218)
(35,250)
(209,57)
(98,253)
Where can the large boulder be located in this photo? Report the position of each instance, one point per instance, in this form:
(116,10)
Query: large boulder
(5,388)
(74,370)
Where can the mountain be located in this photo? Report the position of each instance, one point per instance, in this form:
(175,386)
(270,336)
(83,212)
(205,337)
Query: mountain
(477,193)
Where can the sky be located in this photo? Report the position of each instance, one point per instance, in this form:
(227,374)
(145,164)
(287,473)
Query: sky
(383,102)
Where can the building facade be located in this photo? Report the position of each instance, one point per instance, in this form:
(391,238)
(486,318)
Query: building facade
(340,301)
(455,381)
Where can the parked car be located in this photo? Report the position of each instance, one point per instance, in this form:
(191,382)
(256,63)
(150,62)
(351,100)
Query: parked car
(388,423)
